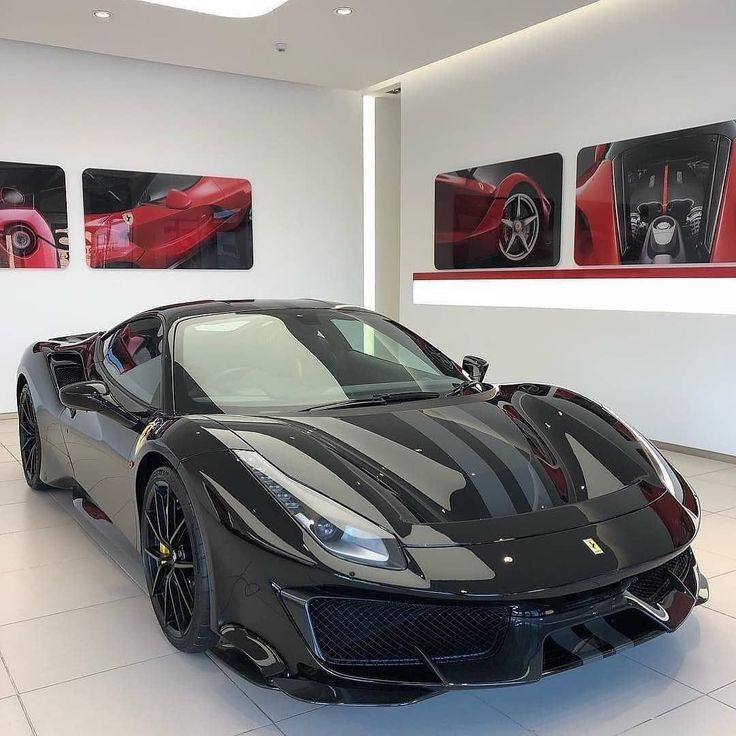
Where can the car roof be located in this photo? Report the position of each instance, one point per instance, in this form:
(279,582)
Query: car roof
(173,312)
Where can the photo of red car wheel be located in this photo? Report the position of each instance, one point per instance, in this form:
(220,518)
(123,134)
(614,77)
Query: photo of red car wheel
(21,240)
(519,225)
(502,215)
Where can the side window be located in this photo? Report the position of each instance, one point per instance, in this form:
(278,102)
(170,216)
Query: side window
(132,356)
(161,184)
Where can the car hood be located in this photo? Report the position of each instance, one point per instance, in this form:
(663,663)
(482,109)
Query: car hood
(517,461)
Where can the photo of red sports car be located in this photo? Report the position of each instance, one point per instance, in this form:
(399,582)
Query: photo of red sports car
(661,199)
(499,216)
(150,220)
(33,219)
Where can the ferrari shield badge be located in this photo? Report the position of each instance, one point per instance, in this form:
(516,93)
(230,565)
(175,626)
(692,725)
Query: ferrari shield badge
(593,546)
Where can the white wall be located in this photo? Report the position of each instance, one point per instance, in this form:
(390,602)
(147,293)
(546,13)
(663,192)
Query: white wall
(612,70)
(388,215)
(299,145)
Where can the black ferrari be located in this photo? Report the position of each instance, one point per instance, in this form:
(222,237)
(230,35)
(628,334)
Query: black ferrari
(340,511)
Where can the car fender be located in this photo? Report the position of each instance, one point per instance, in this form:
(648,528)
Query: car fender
(596,228)
(34,370)
(506,186)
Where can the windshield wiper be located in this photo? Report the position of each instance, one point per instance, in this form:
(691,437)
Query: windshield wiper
(462,386)
(377,400)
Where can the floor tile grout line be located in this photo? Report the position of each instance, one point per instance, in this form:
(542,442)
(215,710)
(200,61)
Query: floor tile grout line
(475,695)
(27,715)
(663,674)
(687,702)
(49,526)
(87,555)
(728,705)
(717,610)
(729,466)
(37,497)
(700,548)
(660,715)
(253,730)
(95,673)
(3,663)
(220,667)
(69,610)
(318,706)
(721,687)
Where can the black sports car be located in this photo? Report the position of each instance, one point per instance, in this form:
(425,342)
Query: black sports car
(340,511)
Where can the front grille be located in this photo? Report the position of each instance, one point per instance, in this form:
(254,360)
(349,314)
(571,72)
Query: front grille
(368,632)
(652,586)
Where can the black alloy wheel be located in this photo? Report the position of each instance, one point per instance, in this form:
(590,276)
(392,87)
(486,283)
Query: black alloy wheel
(30,440)
(174,562)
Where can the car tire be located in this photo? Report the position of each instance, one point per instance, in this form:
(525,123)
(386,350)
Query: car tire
(175,563)
(29,438)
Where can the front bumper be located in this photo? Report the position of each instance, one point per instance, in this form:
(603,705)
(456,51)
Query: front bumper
(540,637)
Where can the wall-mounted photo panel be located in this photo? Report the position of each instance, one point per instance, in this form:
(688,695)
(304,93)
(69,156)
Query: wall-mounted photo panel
(658,200)
(499,216)
(136,219)
(33,216)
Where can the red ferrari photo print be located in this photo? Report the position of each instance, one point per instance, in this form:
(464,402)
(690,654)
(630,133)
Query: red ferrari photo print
(136,219)
(658,200)
(33,217)
(499,216)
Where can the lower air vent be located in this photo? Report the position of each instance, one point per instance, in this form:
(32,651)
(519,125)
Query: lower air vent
(368,632)
(653,585)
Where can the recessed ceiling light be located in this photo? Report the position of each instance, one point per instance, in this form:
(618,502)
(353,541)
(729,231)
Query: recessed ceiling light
(103,14)
(344,10)
(225,8)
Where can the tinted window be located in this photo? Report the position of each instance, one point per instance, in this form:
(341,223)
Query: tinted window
(132,356)
(292,358)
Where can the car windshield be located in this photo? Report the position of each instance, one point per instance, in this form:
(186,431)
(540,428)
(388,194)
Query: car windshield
(252,362)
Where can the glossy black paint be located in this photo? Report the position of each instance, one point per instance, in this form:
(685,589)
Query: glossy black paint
(493,494)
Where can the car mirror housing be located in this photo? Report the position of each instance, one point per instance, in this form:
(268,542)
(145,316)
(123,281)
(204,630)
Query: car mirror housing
(176,199)
(86,396)
(475,367)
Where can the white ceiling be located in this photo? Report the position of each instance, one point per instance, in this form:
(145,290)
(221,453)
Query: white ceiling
(381,40)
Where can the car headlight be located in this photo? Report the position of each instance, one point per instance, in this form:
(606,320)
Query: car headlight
(660,465)
(340,531)
(669,481)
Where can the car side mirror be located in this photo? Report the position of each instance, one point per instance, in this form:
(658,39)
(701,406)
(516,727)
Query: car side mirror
(86,396)
(178,200)
(475,367)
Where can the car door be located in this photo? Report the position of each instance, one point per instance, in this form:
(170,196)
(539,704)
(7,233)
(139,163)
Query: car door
(101,445)
(169,227)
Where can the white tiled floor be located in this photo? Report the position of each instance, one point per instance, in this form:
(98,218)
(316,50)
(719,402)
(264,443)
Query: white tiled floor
(81,653)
